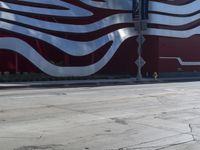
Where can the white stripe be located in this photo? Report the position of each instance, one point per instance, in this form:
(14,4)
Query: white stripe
(28,52)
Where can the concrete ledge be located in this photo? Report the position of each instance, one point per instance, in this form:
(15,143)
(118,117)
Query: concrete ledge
(97,82)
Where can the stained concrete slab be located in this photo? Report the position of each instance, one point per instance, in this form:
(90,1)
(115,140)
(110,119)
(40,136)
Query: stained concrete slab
(162,116)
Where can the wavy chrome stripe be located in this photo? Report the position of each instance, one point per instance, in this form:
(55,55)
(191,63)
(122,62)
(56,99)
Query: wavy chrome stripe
(110,4)
(111,20)
(64,44)
(154,6)
(61,27)
(73,11)
(173,33)
(75,48)
(178,2)
(174,9)
(28,52)
(49,2)
(172,20)
(183,63)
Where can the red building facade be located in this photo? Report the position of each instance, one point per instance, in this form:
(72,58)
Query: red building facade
(85,37)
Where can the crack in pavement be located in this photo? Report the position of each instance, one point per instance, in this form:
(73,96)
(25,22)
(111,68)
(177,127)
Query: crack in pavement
(175,144)
(160,147)
(166,129)
(41,147)
(191,131)
(39,137)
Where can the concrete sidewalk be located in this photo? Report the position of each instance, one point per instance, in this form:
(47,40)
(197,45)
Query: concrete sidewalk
(92,82)
(67,83)
(162,116)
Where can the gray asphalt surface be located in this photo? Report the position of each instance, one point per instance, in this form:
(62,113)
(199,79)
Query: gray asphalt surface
(162,116)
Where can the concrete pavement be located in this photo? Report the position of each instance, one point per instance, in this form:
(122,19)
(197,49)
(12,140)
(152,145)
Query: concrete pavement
(162,116)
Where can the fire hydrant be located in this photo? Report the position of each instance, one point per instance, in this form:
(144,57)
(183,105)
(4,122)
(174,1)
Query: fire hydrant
(155,75)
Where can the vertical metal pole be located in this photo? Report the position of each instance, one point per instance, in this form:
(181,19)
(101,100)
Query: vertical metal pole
(140,26)
(139,51)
